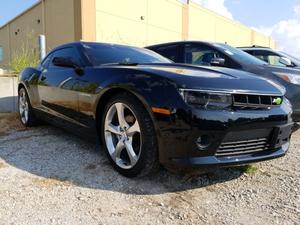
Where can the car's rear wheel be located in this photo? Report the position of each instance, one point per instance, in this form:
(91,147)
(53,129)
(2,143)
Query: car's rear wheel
(129,137)
(27,116)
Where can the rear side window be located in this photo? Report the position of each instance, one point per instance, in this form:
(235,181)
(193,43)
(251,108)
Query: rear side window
(171,52)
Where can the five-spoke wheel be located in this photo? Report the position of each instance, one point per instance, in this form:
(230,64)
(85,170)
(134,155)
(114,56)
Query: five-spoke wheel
(25,110)
(23,106)
(122,135)
(129,136)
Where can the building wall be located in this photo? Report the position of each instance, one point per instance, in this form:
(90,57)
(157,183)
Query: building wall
(5,45)
(147,22)
(133,22)
(53,18)
(168,20)
(59,22)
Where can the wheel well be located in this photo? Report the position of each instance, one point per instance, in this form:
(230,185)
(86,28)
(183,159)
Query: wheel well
(20,86)
(104,100)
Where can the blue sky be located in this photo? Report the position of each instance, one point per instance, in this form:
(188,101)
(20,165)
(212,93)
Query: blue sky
(11,8)
(256,13)
(278,18)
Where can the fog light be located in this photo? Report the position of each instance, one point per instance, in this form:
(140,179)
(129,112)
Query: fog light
(203,142)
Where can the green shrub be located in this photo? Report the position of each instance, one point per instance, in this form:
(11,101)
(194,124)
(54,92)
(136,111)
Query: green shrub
(26,56)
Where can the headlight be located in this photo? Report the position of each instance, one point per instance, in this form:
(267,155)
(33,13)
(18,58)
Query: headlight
(207,100)
(291,78)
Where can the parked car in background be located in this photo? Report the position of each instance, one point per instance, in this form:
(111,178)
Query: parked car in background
(273,57)
(147,110)
(222,55)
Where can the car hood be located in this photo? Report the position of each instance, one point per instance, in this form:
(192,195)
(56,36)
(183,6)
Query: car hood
(213,78)
(274,69)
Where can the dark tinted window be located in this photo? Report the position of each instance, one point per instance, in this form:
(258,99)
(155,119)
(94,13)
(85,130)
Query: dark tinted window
(100,54)
(45,63)
(70,53)
(171,52)
(198,54)
(269,57)
(238,55)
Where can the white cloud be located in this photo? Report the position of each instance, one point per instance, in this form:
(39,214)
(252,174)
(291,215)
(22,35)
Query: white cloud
(216,6)
(297,10)
(286,33)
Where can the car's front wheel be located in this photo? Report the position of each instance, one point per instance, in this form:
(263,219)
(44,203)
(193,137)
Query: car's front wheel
(26,113)
(129,136)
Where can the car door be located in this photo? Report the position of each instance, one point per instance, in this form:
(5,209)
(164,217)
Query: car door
(200,54)
(56,86)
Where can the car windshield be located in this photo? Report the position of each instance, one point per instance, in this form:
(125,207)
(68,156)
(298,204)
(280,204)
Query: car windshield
(100,54)
(239,55)
(293,58)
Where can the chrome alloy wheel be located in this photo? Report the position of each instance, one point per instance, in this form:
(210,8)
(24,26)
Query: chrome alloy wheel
(23,106)
(122,135)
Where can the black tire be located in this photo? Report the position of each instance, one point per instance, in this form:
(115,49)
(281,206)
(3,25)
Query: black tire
(31,120)
(148,162)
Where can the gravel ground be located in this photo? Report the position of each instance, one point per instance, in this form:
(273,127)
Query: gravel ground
(48,176)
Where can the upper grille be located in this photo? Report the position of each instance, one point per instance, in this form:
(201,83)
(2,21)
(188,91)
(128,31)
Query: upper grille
(255,101)
(250,146)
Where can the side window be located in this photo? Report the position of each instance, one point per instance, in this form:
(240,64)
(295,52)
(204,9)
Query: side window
(274,60)
(70,53)
(269,57)
(171,52)
(45,62)
(202,55)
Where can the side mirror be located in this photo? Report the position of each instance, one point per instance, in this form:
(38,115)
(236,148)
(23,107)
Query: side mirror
(66,62)
(217,62)
(285,61)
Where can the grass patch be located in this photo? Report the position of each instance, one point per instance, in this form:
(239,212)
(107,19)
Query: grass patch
(9,122)
(248,169)
(2,165)
(51,182)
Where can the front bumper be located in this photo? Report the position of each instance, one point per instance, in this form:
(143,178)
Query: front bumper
(179,134)
(213,161)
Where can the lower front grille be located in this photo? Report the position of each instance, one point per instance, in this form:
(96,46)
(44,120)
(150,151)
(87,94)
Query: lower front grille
(250,146)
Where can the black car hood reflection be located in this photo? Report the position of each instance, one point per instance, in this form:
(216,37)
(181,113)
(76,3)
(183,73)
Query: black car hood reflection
(208,78)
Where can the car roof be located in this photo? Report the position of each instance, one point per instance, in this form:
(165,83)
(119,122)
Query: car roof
(82,43)
(255,47)
(181,42)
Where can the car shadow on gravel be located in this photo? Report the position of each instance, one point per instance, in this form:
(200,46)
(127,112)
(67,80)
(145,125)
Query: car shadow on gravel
(53,154)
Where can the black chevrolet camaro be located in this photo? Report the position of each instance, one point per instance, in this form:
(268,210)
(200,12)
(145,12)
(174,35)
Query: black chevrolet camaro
(148,111)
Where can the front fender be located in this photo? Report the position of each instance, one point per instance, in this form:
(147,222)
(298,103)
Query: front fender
(29,79)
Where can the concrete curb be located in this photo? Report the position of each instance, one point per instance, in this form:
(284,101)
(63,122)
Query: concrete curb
(8,94)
